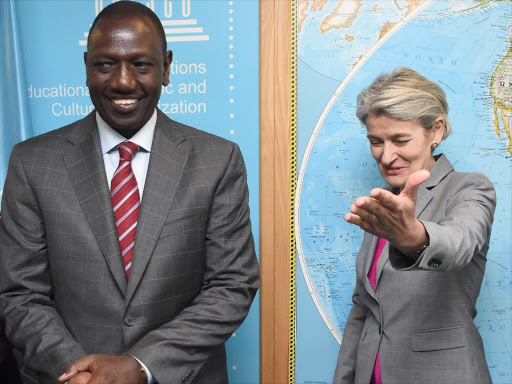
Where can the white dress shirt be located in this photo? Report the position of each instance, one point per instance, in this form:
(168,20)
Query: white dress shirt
(109,140)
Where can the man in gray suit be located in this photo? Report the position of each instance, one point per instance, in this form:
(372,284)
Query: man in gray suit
(75,297)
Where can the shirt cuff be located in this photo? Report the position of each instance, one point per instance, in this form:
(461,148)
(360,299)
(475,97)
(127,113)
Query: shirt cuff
(151,380)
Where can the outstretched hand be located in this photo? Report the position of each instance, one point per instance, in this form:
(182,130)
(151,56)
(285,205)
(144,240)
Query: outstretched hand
(104,369)
(392,217)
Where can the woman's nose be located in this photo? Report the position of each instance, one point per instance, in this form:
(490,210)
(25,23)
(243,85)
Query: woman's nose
(388,154)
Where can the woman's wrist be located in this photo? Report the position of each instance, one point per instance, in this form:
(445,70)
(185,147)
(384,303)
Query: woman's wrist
(415,243)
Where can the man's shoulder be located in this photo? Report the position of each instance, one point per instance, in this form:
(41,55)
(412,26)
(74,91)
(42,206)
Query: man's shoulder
(200,137)
(197,138)
(52,138)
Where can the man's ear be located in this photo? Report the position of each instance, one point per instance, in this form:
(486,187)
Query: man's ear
(85,62)
(167,64)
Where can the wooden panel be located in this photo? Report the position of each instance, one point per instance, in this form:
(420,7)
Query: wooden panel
(274,187)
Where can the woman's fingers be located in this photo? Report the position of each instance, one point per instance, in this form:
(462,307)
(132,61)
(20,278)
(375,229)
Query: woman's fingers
(411,186)
(385,198)
(357,220)
(369,209)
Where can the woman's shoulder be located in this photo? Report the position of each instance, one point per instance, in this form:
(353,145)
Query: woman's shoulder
(463,186)
(454,178)
(464,180)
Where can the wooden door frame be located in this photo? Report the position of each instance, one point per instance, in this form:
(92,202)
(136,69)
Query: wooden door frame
(275,62)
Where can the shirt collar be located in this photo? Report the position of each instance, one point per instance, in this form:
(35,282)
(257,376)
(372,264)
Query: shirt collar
(110,139)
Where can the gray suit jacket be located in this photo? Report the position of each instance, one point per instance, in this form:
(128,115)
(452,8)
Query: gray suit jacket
(63,290)
(5,347)
(421,315)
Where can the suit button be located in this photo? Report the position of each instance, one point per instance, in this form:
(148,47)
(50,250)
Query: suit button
(129,321)
(434,262)
(380,331)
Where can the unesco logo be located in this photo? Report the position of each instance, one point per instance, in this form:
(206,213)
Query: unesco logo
(179,25)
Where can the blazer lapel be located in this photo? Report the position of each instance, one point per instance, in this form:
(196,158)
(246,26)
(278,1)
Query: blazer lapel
(166,165)
(84,161)
(383,259)
(368,249)
(424,197)
(438,172)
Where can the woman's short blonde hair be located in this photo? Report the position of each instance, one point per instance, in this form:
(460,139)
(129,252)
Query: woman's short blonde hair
(404,95)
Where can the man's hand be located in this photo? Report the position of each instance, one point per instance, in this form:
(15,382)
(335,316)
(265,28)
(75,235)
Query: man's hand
(392,217)
(105,369)
(80,378)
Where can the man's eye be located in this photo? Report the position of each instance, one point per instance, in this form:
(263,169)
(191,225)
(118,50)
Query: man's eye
(103,65)
(375,142)
(142,64)
(402,141)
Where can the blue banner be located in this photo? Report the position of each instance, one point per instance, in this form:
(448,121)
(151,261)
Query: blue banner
(15,122)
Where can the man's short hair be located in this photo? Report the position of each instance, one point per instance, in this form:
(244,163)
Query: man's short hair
(123,9)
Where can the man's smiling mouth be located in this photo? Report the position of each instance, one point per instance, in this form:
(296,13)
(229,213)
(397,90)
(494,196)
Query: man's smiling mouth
(124,103)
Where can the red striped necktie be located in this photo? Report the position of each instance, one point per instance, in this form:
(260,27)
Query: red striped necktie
(126,202)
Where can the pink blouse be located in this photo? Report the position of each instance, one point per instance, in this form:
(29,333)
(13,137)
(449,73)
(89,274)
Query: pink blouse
(372,276)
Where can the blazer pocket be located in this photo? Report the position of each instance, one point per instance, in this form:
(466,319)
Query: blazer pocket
(184,223)
(438,339)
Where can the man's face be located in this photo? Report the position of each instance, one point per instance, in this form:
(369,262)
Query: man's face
(125,71)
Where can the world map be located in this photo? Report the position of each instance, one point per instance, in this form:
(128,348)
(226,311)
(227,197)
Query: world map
(466,47)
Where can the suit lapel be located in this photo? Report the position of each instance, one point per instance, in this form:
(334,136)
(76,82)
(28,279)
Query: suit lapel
(383,259)
(438,172)
(424,197)
(84,161)
(166,165)
(368,249)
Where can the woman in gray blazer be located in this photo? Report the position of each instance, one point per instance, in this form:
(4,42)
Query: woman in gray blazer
(423,256)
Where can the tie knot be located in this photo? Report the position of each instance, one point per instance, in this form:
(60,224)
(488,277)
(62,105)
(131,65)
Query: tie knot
(127,150)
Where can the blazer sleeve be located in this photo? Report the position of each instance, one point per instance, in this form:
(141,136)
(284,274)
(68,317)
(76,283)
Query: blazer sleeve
(346,365)
(5,347)
(176,351)
(463,231)
(32,322)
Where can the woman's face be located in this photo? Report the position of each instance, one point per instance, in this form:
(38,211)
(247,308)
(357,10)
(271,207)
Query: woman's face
(401,148)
